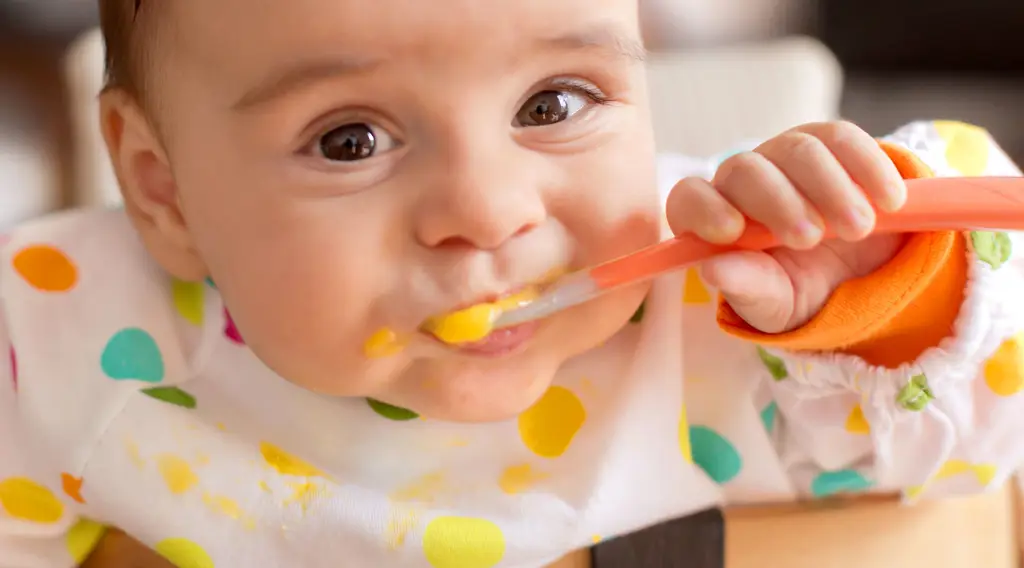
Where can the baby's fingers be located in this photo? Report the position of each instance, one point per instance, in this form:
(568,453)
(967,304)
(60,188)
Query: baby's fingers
(864,160)
(816,173)
(695,206)
(758,188)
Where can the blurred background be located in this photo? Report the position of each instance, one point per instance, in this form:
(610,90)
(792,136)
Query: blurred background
(879,63)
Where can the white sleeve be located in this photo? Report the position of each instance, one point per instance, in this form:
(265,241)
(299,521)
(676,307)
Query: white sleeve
(39,527)
(946,423)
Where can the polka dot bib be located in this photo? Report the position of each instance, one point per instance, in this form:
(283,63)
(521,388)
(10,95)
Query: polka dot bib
(129,399)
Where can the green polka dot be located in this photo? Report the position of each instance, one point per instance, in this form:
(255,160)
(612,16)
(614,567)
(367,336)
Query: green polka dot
(132,354)
(768,417)
(639,315)
(188,299)
(391,412)
(916,394)
(714,454)
(172,395)
(831,483)
(774,365)
(209,281)
(994,249)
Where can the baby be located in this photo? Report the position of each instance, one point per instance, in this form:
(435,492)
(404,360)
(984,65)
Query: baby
(230,369)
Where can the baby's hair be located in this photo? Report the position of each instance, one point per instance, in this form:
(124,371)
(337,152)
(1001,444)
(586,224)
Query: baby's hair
(129,40)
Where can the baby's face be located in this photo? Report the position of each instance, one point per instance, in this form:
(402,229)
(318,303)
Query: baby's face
(345,167)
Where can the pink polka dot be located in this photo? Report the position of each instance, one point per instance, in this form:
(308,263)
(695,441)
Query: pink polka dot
(14,369)
(230,330)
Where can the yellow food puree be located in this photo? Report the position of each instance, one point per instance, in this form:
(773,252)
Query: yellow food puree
(476,322)
(383,343)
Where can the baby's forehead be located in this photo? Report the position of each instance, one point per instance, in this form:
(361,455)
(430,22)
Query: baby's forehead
(355,25)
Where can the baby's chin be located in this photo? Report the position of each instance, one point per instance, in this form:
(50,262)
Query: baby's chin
(480,390)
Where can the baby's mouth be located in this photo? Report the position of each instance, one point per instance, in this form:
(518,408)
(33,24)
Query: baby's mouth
(475,323)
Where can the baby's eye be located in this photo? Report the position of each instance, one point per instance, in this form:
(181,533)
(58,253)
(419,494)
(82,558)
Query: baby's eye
(353,142)
(551,107)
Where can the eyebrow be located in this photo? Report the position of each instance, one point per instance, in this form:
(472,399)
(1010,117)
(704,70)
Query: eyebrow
(603,37)
(301,74)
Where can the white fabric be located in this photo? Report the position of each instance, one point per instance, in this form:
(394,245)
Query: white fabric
(241,468)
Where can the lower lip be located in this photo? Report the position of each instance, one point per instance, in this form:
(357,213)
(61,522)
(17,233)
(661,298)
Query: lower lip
(500,342)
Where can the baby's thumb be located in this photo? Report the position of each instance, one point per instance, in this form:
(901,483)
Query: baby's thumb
(756,287)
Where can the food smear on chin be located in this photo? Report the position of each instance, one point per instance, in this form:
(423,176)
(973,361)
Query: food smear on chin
(476,322)
(384,343)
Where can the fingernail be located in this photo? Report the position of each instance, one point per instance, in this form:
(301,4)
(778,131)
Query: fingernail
(730,225)
(895,198)
(806,234)
(860,220)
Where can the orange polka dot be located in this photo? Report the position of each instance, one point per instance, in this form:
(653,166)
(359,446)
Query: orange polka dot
(72,487)
(46,268)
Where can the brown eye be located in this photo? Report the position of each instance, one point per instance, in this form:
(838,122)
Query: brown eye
(348,143)
(551,107)
(544,108)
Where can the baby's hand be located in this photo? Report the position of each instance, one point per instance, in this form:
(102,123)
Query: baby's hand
(795,184)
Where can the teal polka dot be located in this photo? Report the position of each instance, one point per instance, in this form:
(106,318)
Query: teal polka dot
(714,454)
(843,481)
(726,155)
(768,417)
(210,283)
(132,354)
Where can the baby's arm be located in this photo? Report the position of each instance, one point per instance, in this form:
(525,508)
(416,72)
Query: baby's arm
(910,378)
(39,527)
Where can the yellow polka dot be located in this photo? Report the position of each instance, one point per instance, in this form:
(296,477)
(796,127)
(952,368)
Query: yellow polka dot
(914,492)
(1004,371)
(549,426)
(177,474)
(188,299)
(460,542)
(856,423)
(694,291)
(83,538)
(184,553)
(46,268)
(967,147)
(287,464)
(684,437)
(26,500)
(519,478)
(985,473)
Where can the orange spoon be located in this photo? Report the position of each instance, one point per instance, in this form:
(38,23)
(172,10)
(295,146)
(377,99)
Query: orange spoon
(933,204)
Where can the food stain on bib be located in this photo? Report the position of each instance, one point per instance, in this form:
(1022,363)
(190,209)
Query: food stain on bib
(520,478)
(305,494)
(425,489)
(400,524)
(72,487)
(287,464)
(177,474)
(229,508)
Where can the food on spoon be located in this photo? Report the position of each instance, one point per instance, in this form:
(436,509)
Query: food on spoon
(476,322)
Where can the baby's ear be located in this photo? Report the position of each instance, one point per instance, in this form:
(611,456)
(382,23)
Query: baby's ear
(147,183)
